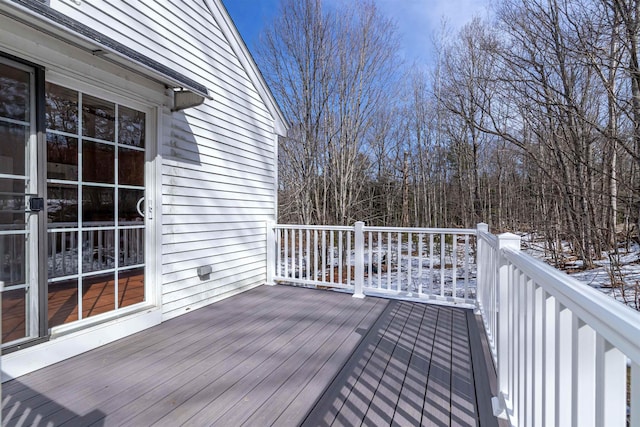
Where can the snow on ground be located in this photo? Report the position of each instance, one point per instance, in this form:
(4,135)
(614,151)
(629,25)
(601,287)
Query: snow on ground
(621,268)
(426,274)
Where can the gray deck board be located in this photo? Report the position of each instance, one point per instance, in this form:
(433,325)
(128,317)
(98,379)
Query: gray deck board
(218,365)
(412,395)
(414,367)
(282,382)
(436,410)
(122,359)
(155,340)
(244,376)
(321,379)
(463,396)
(385,398)
(349,386)
(274,356)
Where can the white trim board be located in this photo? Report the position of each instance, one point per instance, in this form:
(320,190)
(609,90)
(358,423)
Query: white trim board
(42,355)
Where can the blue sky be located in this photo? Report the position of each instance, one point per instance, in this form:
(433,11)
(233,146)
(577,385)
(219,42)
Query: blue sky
(418,20)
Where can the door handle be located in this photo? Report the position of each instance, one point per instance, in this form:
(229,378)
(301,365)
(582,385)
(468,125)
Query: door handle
(138,207)
(36,204)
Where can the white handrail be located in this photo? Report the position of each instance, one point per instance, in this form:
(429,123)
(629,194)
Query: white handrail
(313,227)
(561,347)
(608,317)
(471,231)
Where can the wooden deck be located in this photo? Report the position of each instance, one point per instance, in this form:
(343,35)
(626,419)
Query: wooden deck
(274,356)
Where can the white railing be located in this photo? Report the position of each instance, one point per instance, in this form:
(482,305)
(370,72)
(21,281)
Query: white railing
(565,353)
(487,298)
(99,246)
(418,263)
(427,263)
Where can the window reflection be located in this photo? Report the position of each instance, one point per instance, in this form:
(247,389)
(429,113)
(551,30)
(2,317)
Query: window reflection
(62,157)
(62,253)
(98,162)
(14,93)
(131,126)
(128,206)
(12,204)
(98,295)
(14,313)
(132,246)
(98,250)
(13,138)
(97,206)
(130,287)
(130,167)
(98,118)
(12,210)
(13,267)
(61,108)
(85,259)
(62,205)
(63,302)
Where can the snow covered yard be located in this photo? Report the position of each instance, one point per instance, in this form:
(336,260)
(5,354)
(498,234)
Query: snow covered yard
(422,269)
(616,274)
(428,265)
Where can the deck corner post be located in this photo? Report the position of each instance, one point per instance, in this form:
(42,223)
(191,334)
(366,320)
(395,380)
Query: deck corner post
(359,260)
(481,260)
(506,241)
(271,251)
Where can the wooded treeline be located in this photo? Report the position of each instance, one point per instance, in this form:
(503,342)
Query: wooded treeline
(530,122)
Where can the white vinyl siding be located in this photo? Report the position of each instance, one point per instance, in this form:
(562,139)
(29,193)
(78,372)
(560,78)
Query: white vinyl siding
(218,159)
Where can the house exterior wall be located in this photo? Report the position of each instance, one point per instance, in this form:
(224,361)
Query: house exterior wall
(213,167)
(218,159)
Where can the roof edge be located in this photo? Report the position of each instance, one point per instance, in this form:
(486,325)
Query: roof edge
(104,45)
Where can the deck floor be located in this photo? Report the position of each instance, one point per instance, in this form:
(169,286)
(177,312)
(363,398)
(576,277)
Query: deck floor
(273,356)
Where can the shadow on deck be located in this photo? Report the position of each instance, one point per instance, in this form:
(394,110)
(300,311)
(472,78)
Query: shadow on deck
(274,356)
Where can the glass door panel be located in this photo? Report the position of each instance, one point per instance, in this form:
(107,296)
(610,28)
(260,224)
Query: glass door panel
(63,302)
(18,182)
(96,189)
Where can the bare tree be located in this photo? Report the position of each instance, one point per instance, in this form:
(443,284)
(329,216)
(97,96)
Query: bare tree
(332,70)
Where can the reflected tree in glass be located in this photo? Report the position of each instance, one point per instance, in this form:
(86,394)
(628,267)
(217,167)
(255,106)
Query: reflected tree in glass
(61,111)
(98,118)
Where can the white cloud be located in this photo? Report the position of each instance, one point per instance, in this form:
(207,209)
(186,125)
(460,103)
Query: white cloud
(420,21)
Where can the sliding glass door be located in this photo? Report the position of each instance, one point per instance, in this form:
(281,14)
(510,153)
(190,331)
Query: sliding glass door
(72,239)
(96,192)
(18,194)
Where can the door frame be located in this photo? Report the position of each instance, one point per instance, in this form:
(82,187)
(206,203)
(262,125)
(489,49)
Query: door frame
(151,189)
(38,306)
(21,43)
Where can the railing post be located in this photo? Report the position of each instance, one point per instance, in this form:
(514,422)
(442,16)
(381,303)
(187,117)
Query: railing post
(271,251)
(1,288)
(481,259)
(359,260)
(506,241)
(634,410)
